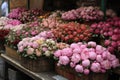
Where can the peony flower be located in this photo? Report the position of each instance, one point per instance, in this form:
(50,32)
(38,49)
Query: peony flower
(30,51)
(86,71)
(44,49)
(86,63)
(77,50)
(92,44)
(57,53)
(74,45)
(47,53)
(106,64)
(99,49)
(20,49)
(67,52)
(38,53)
(35,45)
(95,67)
(99,58)
(92,55)
(79,68)
(64,60)
(72,65)
(75,58)
(115,63)
(85,54)
(107,42)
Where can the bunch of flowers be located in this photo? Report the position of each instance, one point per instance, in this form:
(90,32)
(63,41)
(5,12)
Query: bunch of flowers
(30,15)
(15,13)
(84,13)
(23,31)
(110,30)
(3,22)
(36,46)
(72,32)
(86,58)
(11,23)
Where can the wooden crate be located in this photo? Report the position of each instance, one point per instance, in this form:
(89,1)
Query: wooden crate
(42,64)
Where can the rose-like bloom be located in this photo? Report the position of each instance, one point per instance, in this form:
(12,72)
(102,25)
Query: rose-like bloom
(67,52)
(64,60)
(20,49)
(57,53)
(77,50)
(115,63)
(83,46)
(99,49)
(79,68)
(99,58)
(107,42)
(74,45)
(75,58)
(106,64)
(95,67)
(86,71)
(92,44)
(38,53)
(47,53)
(72,64)
(30,51)
(85,63)
(92,55)
(35,45)
(113,57)
(85,54)
(104,55)
(44,49)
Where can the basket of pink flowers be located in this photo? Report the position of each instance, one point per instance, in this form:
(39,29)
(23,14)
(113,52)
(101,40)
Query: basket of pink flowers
(86,61)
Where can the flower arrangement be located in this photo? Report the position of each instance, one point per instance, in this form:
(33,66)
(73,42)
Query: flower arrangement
(72,32)
(86,58)
(84,13)
(29,15)
(15,13)
(110,30)
(36,46)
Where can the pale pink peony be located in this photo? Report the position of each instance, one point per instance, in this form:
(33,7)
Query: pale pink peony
(85,54)
(85,63)
(75,58)
(99,49)
(67,52)
(95,67)
(38,53)
(64,60)
(20,49)
(79,68)
(77,50)
(106,64)
(113,57)
(30,51)
(92,55)
(99,58)
(35,45)
(74,45)
(83,46)
(115,63)
(57,53)
(92,44)
(86,71)
(91,49)
(104,55)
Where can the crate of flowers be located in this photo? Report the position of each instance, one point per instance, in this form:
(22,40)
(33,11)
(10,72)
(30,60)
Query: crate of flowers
(85,61)
(36,53)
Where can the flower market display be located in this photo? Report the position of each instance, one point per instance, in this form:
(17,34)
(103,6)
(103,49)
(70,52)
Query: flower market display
(80,41)
(87,57)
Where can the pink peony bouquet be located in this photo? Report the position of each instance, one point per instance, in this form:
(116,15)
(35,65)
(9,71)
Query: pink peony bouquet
(86,58)
(36,46)
(84,13)
(110,30)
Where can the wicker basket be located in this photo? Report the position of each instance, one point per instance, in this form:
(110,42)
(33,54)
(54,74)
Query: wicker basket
(12,53)
(42,64)
(70,74)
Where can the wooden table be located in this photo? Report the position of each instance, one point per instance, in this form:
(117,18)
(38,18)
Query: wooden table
(35,76)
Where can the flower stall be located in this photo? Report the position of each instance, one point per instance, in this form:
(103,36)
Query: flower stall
(78,44)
